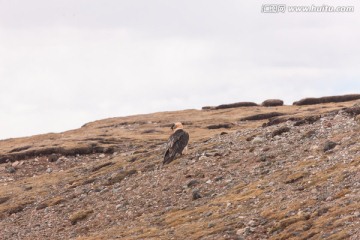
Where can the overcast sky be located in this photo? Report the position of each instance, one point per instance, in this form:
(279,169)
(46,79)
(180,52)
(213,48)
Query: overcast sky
(67,62)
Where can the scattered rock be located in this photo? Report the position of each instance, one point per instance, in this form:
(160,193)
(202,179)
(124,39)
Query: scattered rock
(53,157)
(119,206)
(309,134)
(257,140)
(314,148)
(105,190)
(262,158)
(132,159)
(49,170)
(322,211)
(250,138)
(357,119)
(27,188)
(217,179)
(211,225)
(203,157)
(357,104)
(280,131)
(199,174)
(196,195)
(243,232)
(208,214)
(307,120)
(314,191)
(10,169)
(253,223)
(193,183)
(15,164)
(329,145)
(272,103)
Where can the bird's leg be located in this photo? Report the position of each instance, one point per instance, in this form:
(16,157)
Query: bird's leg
(185,151)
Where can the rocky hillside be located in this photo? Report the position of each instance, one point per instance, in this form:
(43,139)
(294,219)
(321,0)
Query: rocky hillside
(282,172)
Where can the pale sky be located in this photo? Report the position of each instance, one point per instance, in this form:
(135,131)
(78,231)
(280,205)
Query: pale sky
(64,63)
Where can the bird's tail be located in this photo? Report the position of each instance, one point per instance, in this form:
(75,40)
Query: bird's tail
(168,158)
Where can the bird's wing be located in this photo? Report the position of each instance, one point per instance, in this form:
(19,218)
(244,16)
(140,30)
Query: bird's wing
(176,144)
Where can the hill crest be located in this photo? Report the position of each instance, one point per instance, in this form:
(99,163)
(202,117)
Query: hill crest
(250,174)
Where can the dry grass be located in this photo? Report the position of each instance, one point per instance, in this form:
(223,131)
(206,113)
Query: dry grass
(80,215)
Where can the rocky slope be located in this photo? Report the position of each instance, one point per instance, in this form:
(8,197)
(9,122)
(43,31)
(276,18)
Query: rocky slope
(251,173)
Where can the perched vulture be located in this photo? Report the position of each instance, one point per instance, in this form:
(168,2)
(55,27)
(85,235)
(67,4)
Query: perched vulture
(177,143)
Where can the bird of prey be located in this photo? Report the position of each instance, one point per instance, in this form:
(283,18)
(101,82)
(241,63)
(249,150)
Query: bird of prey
(177,143)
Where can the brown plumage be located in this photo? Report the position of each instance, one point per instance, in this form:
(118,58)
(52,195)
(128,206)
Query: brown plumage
(177,143)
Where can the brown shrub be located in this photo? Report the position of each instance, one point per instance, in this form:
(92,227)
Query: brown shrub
(236,105)
(208,108)
(16,209)
(307,120)
(329,99)
(221,125)
(91,148)
(298,120)
(275,121)
(280,131)
(19,149)
(149,131)
(272,103)
(262,116)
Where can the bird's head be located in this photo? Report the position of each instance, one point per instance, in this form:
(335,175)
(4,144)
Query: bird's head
(176,126)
